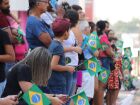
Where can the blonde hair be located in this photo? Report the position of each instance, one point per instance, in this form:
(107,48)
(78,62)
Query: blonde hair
(39,60)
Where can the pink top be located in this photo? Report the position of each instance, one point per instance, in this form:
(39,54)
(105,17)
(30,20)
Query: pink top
(103,39)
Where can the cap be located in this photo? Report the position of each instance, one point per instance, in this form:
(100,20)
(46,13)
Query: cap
(59,26)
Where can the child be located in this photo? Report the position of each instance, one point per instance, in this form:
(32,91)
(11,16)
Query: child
(57,83)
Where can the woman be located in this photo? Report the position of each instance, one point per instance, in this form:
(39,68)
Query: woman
(114,81)
(104,56)
(37,32)
(33,69)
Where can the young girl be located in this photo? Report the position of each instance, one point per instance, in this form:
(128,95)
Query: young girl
(114,83)
(104,56)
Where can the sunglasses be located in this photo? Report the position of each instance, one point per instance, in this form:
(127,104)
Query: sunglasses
(43,1)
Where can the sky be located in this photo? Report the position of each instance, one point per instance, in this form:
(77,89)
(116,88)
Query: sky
(115,10)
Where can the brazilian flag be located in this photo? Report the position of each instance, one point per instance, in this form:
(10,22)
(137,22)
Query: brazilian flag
(93,66)
(104,75)
(119,44)
(34,96)
(19,37)
(95,37)
(94,42)
(127,52)
(126,64)
(104,46)
(80,99)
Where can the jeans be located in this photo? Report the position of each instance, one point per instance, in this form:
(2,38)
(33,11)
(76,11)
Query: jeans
(2,86)
(73,86)
(57,83)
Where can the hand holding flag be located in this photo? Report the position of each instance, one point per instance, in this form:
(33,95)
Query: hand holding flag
(80,99)
(34,96)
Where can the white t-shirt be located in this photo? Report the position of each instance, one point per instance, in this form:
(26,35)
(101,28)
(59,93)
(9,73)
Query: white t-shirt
(47,17)
(73,56)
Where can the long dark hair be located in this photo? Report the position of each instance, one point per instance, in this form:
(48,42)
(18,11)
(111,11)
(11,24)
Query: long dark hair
(100,25)
(73,16)
(32,4)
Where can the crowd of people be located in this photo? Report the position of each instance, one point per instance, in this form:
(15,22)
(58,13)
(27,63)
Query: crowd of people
(55,36)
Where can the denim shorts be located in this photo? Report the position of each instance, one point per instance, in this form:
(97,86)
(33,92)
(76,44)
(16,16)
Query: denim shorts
(106,62)
(57,83)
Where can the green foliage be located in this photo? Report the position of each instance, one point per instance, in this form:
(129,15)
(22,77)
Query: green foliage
(132,26)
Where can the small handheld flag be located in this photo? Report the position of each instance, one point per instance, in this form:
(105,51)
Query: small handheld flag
(19,37)
(104,75)
(92,44)
(34,96)
(119,44)
(80,99)
(126,64)
(92,65)
(95,37)
(104,46)
(127,52)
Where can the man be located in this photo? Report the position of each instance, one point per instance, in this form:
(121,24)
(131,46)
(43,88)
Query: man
(6,55)
(4,12)
(4,23)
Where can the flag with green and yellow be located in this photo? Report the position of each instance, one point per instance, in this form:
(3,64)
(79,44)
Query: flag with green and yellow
(80,99)
(34,96)
(93,66)
(104,75)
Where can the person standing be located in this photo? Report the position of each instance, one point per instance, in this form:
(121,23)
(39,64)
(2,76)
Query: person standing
(104,56)
(37,32)
(58,81)
(6,55)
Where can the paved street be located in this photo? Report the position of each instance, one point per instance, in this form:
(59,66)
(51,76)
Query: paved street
(130,97)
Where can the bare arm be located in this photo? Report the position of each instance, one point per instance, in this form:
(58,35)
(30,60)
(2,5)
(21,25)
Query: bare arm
(55,66)
(9,56)
(45,38)
(109,52)
(70,49)
(17,20)
(78,34)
